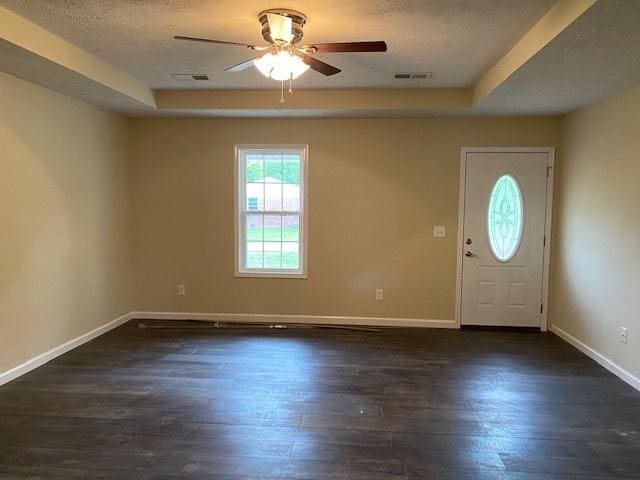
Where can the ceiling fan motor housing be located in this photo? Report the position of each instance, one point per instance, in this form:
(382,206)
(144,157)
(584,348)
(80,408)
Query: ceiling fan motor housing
(297,23)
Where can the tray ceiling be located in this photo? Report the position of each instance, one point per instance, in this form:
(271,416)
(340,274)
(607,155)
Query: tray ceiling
(488,57)
(456,41)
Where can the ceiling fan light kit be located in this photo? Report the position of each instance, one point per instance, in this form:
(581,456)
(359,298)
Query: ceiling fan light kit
(285,61)
(282,66)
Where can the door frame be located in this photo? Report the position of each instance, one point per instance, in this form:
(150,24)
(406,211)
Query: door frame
(550,151)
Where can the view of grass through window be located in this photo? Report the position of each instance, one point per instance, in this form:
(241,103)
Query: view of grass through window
(272,211)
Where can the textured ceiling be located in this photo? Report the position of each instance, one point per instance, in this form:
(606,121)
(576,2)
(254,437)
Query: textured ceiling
(591,57)
(456,40)
(597,56)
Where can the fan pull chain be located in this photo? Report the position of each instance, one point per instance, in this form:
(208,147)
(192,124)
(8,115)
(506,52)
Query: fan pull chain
(282,92)
(290,84)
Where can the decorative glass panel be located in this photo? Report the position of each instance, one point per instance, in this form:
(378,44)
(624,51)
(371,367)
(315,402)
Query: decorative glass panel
(505,218)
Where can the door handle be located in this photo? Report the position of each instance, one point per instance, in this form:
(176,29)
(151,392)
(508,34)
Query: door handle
(470,254)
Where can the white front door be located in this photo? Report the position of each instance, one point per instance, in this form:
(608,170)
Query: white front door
(504,238)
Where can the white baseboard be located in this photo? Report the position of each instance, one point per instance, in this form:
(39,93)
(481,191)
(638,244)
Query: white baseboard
(303,319)
(613,367)
(45,357)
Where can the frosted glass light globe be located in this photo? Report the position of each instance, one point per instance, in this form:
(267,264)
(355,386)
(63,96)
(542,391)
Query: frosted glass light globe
(265,64)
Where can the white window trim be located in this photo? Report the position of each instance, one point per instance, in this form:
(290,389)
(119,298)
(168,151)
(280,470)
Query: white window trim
(301,273)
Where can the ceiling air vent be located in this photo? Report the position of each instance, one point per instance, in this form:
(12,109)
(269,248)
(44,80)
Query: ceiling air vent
(414,76)
(185,77)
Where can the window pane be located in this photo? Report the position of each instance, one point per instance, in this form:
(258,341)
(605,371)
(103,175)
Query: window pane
(255,247)
(272,255)
(291,169)
(254,169)
(254,255)
(271,247)
(273,168)
(291,197)
(254,260)
(273,196)
(290,255)
(272,228)
(254,228)
(290,228)
(290,247)
(255,196)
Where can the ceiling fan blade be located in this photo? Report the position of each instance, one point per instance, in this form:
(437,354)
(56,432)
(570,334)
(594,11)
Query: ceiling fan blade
(221,42)
(280,27)
(319,66)
(346,47)
(241,66)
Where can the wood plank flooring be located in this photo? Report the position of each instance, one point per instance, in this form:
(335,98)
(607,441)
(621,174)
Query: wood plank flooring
(401,404)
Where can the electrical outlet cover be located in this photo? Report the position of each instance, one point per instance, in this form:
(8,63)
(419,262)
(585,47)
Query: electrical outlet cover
(623,335)
(439,231)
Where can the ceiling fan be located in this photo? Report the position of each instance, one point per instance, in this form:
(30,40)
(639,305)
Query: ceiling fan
(284,60)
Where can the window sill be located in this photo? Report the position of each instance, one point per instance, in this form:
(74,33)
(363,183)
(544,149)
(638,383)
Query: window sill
(299,276)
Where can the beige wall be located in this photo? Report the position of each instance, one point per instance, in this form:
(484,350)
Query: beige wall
(74,239)
(65,248)
(595,283)
(377,187)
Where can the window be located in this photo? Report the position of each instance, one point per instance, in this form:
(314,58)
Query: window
(505,218)
(271,211)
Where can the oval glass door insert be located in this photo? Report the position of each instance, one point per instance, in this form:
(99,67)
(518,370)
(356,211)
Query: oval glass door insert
(505,218)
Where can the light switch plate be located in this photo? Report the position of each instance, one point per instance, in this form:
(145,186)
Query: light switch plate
(439,231)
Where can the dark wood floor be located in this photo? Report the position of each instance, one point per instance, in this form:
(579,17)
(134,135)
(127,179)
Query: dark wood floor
(320,404)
